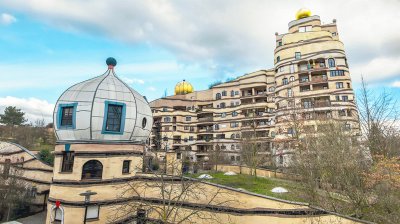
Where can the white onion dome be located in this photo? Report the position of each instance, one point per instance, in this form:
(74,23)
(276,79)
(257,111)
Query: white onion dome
(102,109)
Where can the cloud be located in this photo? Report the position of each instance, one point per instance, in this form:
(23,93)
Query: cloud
(7,19)
(34,108)
(377,69)
(227,36)
(396,84)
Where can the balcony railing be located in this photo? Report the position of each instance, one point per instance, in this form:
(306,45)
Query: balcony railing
(204,119)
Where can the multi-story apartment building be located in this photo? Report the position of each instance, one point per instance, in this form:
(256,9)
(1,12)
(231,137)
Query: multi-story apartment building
(310,78)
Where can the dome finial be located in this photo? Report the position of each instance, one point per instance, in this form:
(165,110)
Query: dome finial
(111,62)
(303,13)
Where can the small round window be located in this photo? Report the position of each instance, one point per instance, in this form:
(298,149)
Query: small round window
(144,122)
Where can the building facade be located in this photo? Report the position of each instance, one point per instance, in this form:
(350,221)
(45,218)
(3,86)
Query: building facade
(310,79)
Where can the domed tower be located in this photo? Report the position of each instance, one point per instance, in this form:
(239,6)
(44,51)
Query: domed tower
(101,126)
(183,88)
(312,81)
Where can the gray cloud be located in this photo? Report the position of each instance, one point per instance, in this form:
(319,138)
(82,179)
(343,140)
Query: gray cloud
(226,35)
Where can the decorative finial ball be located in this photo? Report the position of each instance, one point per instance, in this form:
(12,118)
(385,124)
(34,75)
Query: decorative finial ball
(303,13)
(111,61)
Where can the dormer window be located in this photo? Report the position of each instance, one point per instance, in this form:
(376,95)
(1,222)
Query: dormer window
(66,116)
(303,29)
(114,117)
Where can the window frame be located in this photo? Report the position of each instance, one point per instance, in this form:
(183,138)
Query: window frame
(63,160)
(297,55)
(330,65)
(60,113)
(92,178)
(98,213)
(105,118)
(124,171)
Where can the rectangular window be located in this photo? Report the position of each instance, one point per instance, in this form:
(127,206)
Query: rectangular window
(234,113)
(279,43)
(114,118)
(125,166)
(281,69)
(236,93)
(302,29)
(191,128)
(337,98)
(66,116)
(348,85)
(186,128)
(337,73)
(297,55)
(339,85)
(188,118)
(67,161)
(345,98)
(190,138)
(92,212)
(291,68)
(342,113)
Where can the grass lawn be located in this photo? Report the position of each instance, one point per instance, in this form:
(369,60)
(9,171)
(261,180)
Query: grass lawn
(257,185)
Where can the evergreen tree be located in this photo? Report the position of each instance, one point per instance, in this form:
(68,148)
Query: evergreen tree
(12,116)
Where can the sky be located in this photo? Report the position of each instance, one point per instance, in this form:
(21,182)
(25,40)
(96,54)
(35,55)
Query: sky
(46,46)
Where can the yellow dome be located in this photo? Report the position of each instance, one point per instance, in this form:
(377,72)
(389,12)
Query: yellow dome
(303,13)
(183,88)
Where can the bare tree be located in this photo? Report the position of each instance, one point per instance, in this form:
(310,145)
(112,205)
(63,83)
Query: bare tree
(253,149)
(170,199)
(14,192)
(379,118)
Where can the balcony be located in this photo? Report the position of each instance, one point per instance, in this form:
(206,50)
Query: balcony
(205,119)
(319,79)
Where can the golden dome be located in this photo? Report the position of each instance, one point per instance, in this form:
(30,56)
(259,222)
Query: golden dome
(183,87)
(303,13)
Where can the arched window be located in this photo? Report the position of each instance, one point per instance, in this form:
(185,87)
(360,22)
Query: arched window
(238,135)
(331,62)
(271,89)
(218,96)
(92,169)
(232,136)
(291,79)
(232,93)
(232,147)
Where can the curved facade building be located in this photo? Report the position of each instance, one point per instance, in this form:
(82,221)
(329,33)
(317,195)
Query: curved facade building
(310,78)
(312,81)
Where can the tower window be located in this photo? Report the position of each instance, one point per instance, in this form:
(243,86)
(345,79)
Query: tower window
(278,59)
(339,85)
(125,166)
(297,55)
(114,118)
(218,96)
(67,162)
(224,93)
(92,169)
(66,116)
(331,62)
